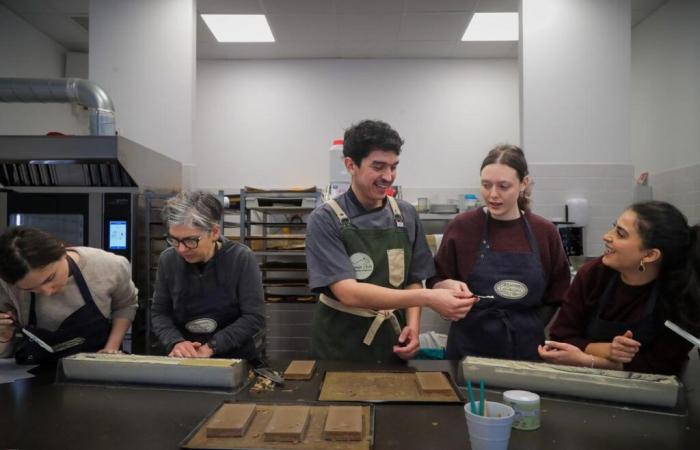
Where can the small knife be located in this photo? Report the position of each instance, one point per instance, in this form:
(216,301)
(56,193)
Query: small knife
(33,337)
(38,340)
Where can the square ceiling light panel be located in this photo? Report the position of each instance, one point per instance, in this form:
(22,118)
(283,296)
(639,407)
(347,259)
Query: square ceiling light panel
(492,27)
(239,27)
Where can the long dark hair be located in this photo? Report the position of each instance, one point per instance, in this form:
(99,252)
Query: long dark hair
(23,249)
(513,157)
(662,226)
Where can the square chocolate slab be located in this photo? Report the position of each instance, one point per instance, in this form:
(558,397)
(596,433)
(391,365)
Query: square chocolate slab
(343,423)
(433,383)
(231,420)
(300,370)
(288,424)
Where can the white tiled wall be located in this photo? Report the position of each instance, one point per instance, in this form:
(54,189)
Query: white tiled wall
(681,187)
(608,188)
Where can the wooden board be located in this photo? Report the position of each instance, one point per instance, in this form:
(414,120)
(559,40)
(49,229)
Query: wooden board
(231,420)
(300,370)
(313,440)
(343,423)
(380,387)
(288,424)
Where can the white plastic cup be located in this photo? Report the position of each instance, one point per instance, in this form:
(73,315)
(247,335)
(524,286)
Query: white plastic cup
(490,432)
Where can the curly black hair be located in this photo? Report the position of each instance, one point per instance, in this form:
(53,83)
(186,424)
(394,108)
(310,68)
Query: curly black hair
(368,135)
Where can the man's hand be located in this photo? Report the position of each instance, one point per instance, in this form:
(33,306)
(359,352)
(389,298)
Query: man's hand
(185,349)
(454,285)
(623,348)
(451,304)
(408,344)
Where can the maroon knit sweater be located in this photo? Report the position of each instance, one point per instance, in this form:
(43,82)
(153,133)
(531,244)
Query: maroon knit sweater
(666,354)
(460,247)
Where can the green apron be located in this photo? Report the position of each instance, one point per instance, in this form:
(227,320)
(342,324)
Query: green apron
(381,257)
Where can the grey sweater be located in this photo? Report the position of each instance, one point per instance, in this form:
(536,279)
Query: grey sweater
(234,266)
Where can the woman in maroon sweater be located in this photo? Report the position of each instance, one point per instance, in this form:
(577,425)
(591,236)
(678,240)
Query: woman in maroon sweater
(508,254)
(615,310)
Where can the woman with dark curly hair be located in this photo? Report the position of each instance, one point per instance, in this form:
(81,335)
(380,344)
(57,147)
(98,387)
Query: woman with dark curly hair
(615,310)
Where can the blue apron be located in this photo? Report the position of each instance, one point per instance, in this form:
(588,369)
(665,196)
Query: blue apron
(85,330)
(643,330)
(208,311)
(508,326)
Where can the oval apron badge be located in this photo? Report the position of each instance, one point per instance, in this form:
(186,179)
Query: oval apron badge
(203,325)
(363,264)
(511,289)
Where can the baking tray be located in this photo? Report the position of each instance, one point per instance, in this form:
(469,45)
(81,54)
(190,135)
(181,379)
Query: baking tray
(197,438)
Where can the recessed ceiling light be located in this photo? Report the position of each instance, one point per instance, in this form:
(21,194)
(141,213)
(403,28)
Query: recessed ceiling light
(239,27)
(492,27)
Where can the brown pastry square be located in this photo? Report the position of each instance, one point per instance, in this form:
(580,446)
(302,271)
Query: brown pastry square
(343,423)
(288,424)
(231,420)
(433,383)
(300,370)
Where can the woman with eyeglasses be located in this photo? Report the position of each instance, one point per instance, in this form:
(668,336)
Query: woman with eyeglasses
(208,299)
(614,313)
(74,299)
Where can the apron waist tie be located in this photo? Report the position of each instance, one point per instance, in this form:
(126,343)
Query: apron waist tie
(379,316)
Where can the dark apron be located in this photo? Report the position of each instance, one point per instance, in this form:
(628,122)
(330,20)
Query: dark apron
(643,330)
(208,311)
(377,256)
(508,326)
(85,330)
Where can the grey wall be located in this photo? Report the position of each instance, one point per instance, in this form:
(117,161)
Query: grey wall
(271,123)
(25,52)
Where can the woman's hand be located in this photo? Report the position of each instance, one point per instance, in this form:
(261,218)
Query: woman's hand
(623,348)
(185,349)
(7,326)
(111,351)
(563,353)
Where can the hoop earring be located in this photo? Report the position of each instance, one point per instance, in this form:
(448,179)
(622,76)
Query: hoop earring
(641,266)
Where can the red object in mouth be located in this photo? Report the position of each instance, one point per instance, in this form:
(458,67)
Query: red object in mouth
(390,191)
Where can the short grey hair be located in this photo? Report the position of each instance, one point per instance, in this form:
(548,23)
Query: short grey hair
(197,209)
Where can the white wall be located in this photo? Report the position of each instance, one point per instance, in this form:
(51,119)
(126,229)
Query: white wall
(27,53)
(143,55)
(271,123)
(575,80)
(666,88)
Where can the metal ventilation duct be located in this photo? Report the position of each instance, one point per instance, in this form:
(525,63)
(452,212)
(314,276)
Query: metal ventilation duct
(64,90)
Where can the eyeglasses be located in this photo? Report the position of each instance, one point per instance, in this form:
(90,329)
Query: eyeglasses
(190,242)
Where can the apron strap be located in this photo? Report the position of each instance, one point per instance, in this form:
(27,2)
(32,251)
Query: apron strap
(397,212)
(344,219)
(80,281)
(379,316)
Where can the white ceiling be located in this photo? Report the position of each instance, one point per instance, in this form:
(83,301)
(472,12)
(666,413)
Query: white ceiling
(320,28)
